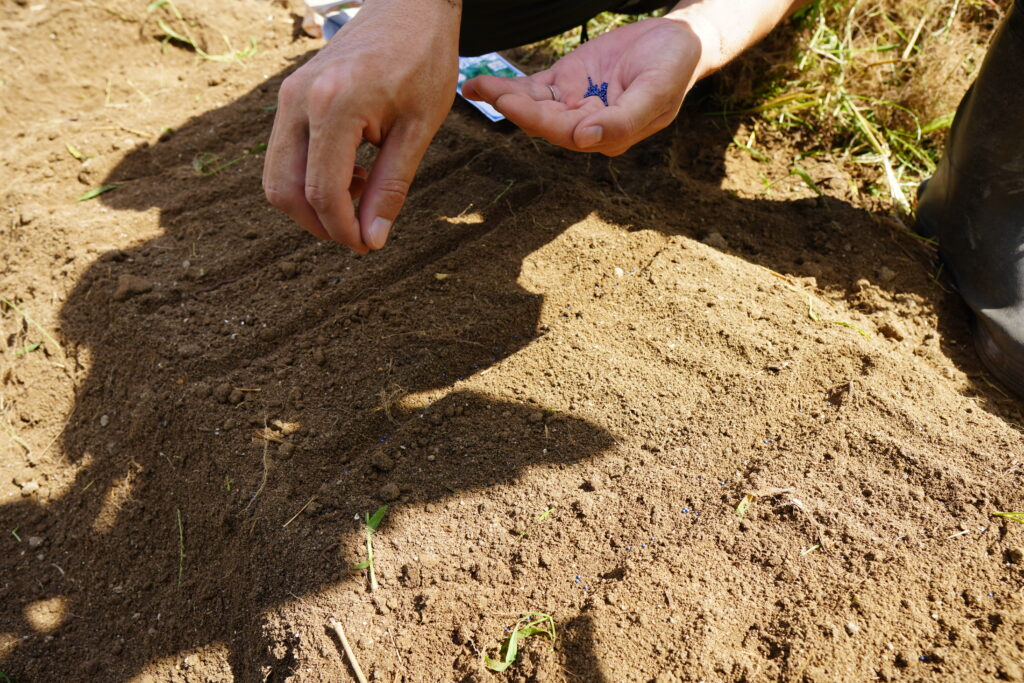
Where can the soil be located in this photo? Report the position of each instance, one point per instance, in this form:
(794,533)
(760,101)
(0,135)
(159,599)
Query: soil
(563,376)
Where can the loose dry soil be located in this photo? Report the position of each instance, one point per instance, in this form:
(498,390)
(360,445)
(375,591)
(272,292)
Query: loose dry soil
(635,344)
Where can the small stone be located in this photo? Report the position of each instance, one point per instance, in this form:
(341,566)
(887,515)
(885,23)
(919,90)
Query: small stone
(35,541)
(236,396)
(130,285)
(619,272)
(29,487)
(189,350)
(1009,670)
(716,240)
(222,392)
(104,420)
(287,269)
(917,493)
(29,214)
(382,463)
(852,628)
(389,492)
(229,424)
(286,450)
(885,274)
(891,331)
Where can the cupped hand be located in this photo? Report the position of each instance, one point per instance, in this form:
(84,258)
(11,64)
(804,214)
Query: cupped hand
(649,67)
(387,77)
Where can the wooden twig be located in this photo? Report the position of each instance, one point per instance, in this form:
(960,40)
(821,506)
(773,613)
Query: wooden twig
(340,632)
(285,525)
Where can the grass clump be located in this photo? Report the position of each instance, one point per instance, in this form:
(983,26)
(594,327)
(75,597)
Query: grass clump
(873,82)
(535,623)
(175,27)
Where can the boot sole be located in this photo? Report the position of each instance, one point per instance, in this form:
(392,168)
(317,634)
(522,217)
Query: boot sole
(996,360)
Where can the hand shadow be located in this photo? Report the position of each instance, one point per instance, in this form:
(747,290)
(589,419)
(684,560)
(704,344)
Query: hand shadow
(232,319)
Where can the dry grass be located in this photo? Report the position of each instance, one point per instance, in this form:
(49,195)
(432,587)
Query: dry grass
(874,82)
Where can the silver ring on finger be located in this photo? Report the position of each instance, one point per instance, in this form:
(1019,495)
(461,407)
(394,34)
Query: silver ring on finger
(554,93)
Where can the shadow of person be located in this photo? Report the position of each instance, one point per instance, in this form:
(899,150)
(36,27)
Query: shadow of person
(250,390)
(240,372)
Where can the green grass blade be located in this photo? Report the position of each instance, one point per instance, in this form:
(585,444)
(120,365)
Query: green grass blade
(806,177)
(1014,516)
(96,192)
(373,522)
(938,123)
(28,349)
(74,152)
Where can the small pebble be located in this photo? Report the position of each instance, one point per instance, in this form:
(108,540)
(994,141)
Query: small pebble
(389,492)
(287,269)
(716,240)
(222,392)
(130,285)
(104,420)
(382,463)
(852,628)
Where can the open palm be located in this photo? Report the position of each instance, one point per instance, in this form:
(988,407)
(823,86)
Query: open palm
(649,67)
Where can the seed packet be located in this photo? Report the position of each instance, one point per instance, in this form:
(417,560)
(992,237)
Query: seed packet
(491,64)
(324,18)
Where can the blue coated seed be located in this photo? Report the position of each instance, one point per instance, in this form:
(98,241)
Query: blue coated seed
(600,91)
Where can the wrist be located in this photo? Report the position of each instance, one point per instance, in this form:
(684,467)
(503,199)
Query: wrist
(709,37)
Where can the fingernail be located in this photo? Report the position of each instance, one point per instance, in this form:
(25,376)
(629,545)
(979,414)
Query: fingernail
(590,136)
(377,235)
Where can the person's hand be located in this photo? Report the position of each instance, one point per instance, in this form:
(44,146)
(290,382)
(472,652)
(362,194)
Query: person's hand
(387,77)
(649,67)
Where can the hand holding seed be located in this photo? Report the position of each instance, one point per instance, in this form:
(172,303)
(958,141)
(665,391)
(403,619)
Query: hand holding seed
(388,77)
(608,94)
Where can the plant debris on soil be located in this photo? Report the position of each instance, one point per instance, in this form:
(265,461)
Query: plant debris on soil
(219,398)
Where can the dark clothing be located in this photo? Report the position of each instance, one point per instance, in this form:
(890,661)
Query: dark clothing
(490,25)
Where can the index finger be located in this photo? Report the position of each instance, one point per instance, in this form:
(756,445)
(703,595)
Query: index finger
(553,121)
(490,88)
(329,165)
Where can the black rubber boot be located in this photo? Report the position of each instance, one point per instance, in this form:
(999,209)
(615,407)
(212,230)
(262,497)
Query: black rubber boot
(974,204)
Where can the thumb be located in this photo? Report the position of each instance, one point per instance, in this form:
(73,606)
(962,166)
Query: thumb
(644,107)
(389,183)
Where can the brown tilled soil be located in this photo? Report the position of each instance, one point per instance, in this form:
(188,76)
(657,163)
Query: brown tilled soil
(635,345)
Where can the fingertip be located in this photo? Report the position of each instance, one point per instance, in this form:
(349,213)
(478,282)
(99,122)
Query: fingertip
(377,233)
(357,246)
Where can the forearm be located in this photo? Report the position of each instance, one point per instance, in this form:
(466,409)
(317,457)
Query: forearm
(728,27)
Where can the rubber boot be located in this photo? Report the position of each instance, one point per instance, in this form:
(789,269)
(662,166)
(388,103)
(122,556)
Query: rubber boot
(974,204)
